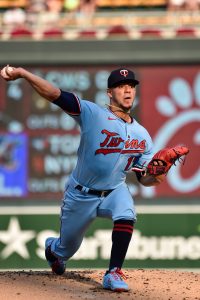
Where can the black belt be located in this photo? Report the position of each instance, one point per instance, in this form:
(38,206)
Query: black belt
(94,192)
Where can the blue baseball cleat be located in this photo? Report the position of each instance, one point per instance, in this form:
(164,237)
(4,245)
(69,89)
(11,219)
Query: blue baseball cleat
(57,265)
(113,281)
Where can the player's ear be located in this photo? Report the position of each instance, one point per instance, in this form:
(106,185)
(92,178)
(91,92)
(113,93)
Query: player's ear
(109,92)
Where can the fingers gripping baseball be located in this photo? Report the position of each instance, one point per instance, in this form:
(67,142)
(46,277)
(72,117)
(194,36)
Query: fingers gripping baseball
(8,73)
(165,158)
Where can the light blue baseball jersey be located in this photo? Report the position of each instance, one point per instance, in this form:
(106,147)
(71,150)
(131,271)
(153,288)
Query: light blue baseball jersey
(109,147)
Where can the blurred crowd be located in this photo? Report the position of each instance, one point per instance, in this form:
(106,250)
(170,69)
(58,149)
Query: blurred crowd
(181,5)
(21,11)
(48,13)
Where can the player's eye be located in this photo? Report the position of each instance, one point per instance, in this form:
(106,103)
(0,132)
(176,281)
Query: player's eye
(131,85)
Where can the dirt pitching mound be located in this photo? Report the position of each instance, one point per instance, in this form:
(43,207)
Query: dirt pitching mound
(86,284)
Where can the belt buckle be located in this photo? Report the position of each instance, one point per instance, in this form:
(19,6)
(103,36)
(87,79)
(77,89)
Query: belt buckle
(103,193)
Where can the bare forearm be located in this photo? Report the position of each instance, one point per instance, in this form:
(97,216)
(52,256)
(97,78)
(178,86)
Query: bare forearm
(151,180)
(40,85)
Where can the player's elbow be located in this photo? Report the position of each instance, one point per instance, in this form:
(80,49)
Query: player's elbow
(54,94)
(50,94)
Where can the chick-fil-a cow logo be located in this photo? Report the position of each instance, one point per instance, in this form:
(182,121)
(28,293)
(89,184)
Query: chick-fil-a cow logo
(171,113)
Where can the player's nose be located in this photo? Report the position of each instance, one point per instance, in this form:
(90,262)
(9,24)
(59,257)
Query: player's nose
(127,88)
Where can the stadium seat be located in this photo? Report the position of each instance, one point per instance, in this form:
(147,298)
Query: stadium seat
(150,32)
(21,32)
(52,33)
(185,32)
(87,34)
(117,30)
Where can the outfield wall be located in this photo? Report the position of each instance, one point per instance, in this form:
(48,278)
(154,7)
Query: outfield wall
(144,51)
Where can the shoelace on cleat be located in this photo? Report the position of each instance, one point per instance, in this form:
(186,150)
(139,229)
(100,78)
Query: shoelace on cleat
(118,274)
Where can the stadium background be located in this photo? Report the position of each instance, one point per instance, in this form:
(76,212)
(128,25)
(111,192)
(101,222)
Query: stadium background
(38,142)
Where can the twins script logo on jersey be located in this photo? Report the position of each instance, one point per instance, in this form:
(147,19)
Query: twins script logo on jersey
(124,72)
(113,143)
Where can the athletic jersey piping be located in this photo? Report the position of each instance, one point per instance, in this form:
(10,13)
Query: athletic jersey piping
(132,120)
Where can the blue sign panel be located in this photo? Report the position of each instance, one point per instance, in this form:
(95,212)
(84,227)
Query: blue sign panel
(13,165)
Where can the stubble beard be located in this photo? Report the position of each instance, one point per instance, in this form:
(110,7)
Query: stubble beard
(125,109)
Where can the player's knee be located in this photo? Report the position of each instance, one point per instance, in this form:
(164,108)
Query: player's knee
(125,222)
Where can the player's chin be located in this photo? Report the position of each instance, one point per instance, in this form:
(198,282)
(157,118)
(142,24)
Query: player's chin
(128,103)
(127,106)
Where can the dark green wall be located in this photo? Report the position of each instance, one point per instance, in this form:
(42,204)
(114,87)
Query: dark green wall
(144,51)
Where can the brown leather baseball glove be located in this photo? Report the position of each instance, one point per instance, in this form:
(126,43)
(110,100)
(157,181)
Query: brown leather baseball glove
(165,158)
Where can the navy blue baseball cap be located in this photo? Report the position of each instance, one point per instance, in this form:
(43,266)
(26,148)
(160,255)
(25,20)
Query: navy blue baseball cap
(119,76)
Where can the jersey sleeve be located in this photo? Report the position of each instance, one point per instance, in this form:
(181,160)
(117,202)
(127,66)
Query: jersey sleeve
(143,160)
(69,102)
(82,111)
(88,115)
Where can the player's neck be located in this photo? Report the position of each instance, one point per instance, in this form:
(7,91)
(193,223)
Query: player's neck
(125,115)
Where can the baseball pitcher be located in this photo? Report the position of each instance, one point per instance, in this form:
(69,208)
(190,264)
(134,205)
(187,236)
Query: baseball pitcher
(112,144)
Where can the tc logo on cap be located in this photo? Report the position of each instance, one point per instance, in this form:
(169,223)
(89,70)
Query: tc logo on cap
(121,75)
(124,72)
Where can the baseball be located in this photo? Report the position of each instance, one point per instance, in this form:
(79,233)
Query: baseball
(8,69)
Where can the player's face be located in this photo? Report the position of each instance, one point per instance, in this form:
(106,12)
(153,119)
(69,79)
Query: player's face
(122,95)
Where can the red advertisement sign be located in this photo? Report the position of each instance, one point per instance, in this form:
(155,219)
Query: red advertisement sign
(169,102)
(170,110)
(52,136)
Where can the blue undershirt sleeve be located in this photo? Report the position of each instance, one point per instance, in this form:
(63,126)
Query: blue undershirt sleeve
(69,102)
